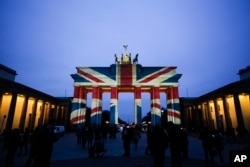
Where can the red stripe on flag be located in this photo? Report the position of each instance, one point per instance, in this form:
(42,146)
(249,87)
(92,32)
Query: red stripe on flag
(96,109)
(126,75)
(156,105)
(78,118)
(76,92)
(157,74)
(114,93)
(175,92)
(89,76)
(155,93)
(137,92)
(174,114)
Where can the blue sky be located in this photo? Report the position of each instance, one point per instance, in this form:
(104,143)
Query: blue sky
(208,41)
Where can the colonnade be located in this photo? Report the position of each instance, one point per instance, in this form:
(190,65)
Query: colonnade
(24,111)
(78,114)
(230,110)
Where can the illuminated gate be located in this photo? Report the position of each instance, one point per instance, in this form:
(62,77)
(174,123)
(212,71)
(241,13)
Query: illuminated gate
(125,76)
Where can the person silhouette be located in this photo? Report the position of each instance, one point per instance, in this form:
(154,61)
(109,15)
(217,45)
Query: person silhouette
(158,145)
(126,141)
(44,141)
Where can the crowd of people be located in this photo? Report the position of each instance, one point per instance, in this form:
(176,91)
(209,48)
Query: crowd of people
(213,144)
(93,138)
(158,140)
(38,145)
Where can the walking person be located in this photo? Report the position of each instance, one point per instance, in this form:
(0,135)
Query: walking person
(84,136)
(12,146)
(149,131)
(136,137)
(79,135)
(177,144)
(24,142)
(90,136)
(44,141)
(158,145)
(32,150)
(126,141)
(219,143)
(207,145)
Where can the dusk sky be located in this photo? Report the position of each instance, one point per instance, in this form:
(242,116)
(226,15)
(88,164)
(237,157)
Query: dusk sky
(44,40)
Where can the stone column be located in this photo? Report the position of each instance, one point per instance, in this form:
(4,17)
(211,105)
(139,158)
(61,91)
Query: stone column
(226,112)
(210,119)
(24,112)
(41,118)
(240,120)
(155,106)
(138,114)
(96,106)
(78,113)
(219,121)
(33,115)
(11,113)
(173,105)
(114,106)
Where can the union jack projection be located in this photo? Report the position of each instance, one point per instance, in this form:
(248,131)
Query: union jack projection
(125,78)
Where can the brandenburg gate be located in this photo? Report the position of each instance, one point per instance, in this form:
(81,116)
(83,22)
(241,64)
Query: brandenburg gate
(125,76)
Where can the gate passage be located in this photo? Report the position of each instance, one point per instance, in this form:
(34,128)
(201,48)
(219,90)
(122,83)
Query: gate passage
(125,76)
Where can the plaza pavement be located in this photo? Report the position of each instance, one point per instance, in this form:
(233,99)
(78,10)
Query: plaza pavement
(68,153)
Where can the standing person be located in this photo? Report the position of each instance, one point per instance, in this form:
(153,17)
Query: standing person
(207,145)
(84,131)
(126,141)
(32,150)
(185,143)
(44,141)
(13,144)
(177,144)
(149,131)
(24,142)
(158,145)
(90,136)
(219,145)
(79,135)
(104,132)
(136,137)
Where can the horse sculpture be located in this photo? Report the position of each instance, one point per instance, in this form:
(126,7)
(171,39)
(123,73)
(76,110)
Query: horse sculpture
(117,60)
(135,60)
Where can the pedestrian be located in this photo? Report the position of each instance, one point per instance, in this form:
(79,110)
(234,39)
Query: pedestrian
(207,145)
(219,143)
(12,146)
(136,137)
(185,142)
(32,150)
(126,141)
(24,142)
(44,141)
(78,134)
(90,136)
(149,131)
(158,145)
(177,144)
(104,133)
(84,131)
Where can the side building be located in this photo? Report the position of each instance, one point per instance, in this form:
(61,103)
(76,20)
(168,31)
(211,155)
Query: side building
(226,108)
(23,107)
